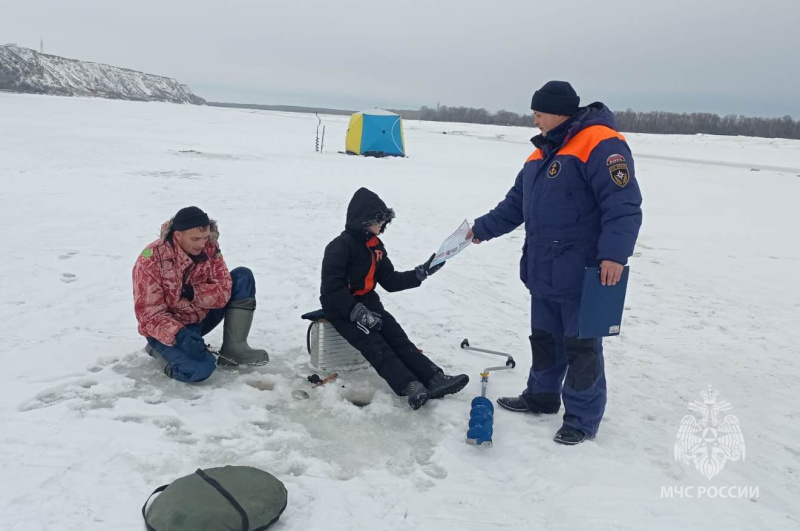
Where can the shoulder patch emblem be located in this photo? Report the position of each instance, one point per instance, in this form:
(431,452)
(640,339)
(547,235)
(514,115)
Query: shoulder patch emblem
(147,253)
(554,169)
(217,253)
(620,174)
(614,159)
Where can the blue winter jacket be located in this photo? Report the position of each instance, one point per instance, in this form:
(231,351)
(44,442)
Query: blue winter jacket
(578,197)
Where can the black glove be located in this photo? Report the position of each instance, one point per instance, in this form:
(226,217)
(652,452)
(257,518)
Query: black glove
(425,270)
(191,342)
(187,292)
(365,318)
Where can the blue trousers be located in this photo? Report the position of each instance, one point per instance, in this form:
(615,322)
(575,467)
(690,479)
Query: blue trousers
(186,368)
(564,367)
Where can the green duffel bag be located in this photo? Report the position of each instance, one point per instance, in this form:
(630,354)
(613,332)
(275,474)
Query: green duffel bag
(230,498)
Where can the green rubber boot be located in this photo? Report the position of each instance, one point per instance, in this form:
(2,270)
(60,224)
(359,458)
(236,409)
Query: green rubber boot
(236,327)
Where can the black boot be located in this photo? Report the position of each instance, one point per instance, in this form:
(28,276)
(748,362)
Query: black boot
(516,403)
(417,394)
(442,384)
(165,365)
(151,351)
(569,436)
(513,403)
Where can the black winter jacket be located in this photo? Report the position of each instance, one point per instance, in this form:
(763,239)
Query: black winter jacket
(356,260)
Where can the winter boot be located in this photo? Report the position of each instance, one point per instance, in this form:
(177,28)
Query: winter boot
(569,436)
(151,351)
(238,319)
(417,394)
(513,403)
(165,365)
(442,384)
(516,403)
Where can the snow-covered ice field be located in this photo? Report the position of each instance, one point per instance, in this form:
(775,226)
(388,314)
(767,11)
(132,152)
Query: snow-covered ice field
(89,427)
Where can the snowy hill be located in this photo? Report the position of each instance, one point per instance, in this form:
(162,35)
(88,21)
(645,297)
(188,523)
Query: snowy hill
(89,426)
(25,70)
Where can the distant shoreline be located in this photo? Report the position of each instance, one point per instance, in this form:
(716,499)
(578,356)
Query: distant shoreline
(405,113)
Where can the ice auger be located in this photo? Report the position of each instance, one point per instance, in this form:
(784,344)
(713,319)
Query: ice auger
(481,414)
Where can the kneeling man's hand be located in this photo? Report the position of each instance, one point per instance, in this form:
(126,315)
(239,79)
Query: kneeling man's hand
(191,342)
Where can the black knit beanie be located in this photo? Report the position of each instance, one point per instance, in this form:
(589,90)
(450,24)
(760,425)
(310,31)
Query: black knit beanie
(190,218)
(556,97)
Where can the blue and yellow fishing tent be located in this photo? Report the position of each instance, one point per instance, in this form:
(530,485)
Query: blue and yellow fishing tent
(375,133)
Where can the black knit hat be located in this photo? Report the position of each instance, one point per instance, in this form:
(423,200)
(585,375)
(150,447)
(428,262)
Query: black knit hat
(556,97)
(189,218)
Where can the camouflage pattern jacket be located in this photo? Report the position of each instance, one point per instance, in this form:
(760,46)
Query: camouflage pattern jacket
(158,277)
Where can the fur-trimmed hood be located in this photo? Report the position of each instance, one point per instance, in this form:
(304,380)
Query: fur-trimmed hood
(366,209)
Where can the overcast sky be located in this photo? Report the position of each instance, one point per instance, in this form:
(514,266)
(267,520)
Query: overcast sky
(722,56)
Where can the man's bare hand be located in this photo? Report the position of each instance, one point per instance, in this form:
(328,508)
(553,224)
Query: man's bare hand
(610,272)
(474,239)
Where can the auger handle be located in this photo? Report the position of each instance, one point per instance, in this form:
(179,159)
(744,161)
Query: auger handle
(510,363)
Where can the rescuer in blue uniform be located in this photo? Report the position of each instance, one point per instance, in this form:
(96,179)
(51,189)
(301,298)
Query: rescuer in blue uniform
(581,205)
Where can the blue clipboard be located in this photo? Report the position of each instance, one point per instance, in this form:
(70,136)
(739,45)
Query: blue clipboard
(601,306)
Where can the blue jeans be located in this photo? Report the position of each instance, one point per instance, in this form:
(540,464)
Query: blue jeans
(556,354)
(186,368)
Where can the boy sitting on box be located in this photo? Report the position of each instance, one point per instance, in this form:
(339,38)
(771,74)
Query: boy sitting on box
(354,262)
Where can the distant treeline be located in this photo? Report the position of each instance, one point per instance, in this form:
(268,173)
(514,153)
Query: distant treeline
(657,122)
